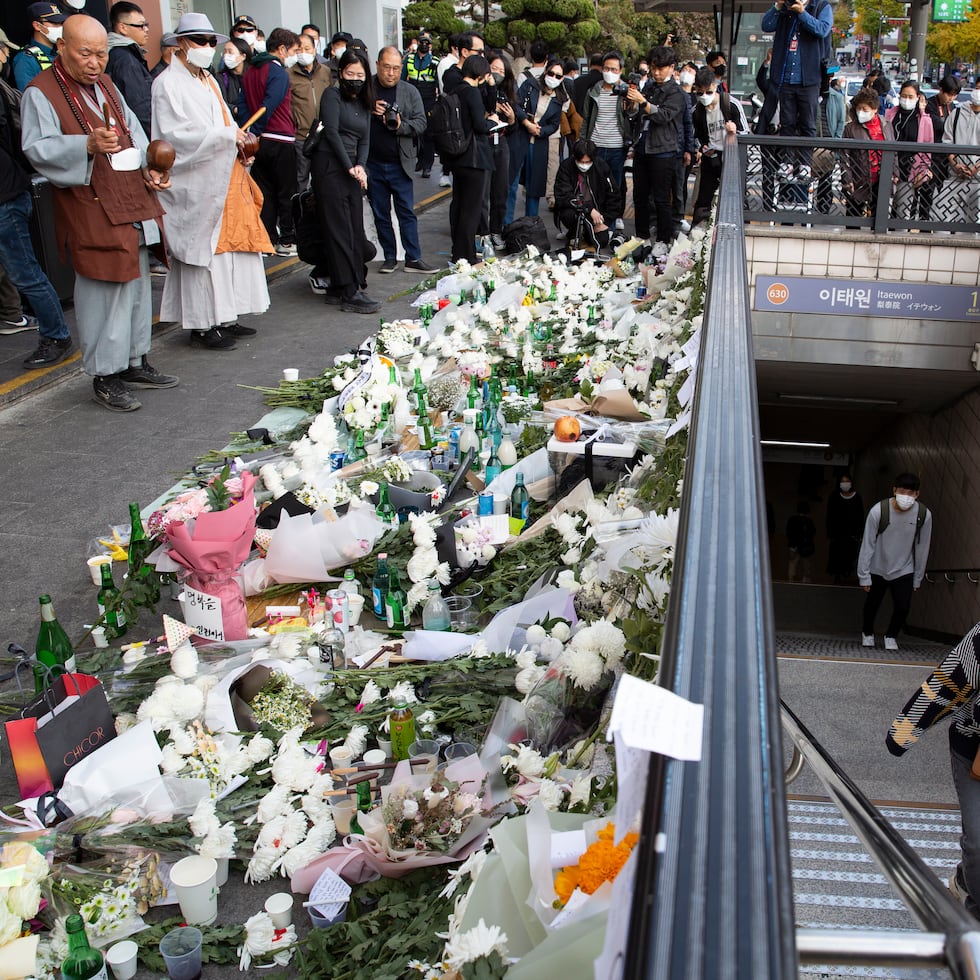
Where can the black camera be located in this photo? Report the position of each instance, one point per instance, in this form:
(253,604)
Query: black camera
(620,88)
(635,78)
(501,95)
(390,117)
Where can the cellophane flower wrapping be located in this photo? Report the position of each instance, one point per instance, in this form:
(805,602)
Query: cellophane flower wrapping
(559,713)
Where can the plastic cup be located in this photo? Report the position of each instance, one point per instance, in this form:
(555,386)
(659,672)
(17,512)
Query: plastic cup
(342,814)
(95,564)
(121,958)
(425,748)
(339,914)
(355,605)
(500,503)
(341,757)
(280,909)
(459,611)
(181,951)
(384,744)
(375,757)
(195,880)
(459,750)
(290,374)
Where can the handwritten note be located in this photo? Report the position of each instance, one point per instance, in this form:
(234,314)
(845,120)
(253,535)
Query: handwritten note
(329,895)
(202,612)
(631,778)
(652,718)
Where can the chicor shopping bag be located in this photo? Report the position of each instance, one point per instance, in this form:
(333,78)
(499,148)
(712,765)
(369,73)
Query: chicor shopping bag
(59,728)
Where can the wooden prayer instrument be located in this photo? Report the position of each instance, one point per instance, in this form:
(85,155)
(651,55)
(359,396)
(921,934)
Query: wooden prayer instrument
(160,155)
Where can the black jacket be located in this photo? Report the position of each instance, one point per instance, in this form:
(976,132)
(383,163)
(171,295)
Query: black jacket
(127,68)
(13,178)
(478,154)
(581,86)
(728,113)
(665,121)
(604,191)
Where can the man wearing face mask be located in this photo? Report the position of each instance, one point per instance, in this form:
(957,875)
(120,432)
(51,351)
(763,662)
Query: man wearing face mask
(714,118)
(586,197)
(718,63)
(338,45)
(246,29)
(33,58)
(893,556)
(419,70)
(961,192)
(308,80)
(266,84)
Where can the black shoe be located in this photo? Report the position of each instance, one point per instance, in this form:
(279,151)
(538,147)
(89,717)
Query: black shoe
(360,302)
(498,242)
(419,265)
(147,376)
(237,330)
(49,352)
(332,298)
(319,284)
(426,174)
(112,394)
(213,339)
(389,265)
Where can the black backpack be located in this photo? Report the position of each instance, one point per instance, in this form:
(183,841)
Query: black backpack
(446,127)
(529,230)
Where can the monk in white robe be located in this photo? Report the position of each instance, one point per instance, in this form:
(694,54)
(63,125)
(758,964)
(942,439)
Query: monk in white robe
(213,223)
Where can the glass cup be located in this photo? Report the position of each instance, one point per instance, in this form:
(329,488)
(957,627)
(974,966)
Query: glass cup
(459,612)
(181,951)
(425,748)
(342,813)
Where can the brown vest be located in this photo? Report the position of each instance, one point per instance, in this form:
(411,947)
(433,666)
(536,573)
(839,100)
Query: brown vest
(95,221)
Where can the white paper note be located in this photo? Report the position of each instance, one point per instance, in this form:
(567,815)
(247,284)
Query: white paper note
(202,612)
(654,719)
(631,780)
(686,391)
(329,894)
(609,965)
(566,847)
(576,900)
(682,420)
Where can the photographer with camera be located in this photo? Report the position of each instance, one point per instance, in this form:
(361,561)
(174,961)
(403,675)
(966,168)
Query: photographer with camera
(586,197)
(419,70)
(610,108)
(396,120)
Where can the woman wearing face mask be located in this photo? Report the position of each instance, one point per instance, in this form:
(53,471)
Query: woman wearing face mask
(860,169)
(587,200)
(911,124)
(499,97)
(845,526)
(234,63)
(538,110)
(339,181)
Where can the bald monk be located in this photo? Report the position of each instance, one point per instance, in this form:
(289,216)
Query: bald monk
(107,214)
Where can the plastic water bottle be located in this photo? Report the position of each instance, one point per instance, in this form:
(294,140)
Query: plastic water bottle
(435,612)
(489,252)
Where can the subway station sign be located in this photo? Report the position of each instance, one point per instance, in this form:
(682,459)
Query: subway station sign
(908,301)
(950,11)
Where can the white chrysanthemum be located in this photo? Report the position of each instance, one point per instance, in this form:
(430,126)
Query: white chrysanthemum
(203,820)
(583,666)
(426,722)
(220,843)
(274,804)
(294,829)
(171,760)
(410,808)
(528,762)
(474,944)
(525,658)
(356,741)
(604,638)
(567,526)
(581,791)
(370,694)
(294,769)
(566,580)
(472,867)
(417,596)
(550,794)
(488,552)
(526,679)
(288,646)
(550,648)
(270,836)
(535,633)
(204,683)
(422,565)
(124,722)
(184,661)
(561,631)
(405,690)
(182,740)
(260,748)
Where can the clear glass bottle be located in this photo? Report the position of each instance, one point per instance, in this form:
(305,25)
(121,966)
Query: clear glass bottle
(435,612)
(357,452)
(350,584)
(489,252)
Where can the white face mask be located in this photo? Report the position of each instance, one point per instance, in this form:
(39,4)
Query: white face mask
(687,78)
(54,33)
(552,83)
(232,61)
(291,60)
(200,57)
(610,77)
(259,44)
(76,4)
(338,53)
(707,98)
(865,115)
(249,38)
(975,96)
(908,104)
(583,167)
(305,58)
(845,486)
(904,501)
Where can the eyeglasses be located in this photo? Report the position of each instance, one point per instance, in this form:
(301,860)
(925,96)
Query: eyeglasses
(551,74)
(142,27)
(202,39)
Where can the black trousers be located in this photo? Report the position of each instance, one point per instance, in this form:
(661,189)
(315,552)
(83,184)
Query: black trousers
(274,170)
(499,184)
(340,207)
(660,174)
(710,179)
(465,210)
(901,590)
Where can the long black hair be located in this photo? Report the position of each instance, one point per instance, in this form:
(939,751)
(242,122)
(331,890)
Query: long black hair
(560,93)
(366,95)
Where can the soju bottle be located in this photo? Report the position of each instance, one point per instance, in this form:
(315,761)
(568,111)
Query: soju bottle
(53,654)
(357,451)
(593,317)
(388,436)
(520,505)
(114,618)
(82,962)
(473,399)
(418,386)
(401,729)
(395,603)
(379,586)
(139,547)
(350,584)
(363,791)
(553,295)
(435,612)
(392,375)
(386,513)
(494,466)
(423,430)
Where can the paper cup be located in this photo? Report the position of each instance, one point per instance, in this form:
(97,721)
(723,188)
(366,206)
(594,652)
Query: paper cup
(355,607)
(341,757)
(222,877)
(375,757)
(500,503)
(384,744)
(181,951)
(121,958)
(290,374)
(95,564)
(280,909)
(195,880)
(342,813)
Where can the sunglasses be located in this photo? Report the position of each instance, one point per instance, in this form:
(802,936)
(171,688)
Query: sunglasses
(142,27)
(551,74)
(202,39)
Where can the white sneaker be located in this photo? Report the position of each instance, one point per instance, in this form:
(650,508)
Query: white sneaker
(891,643)
(685,226)
(445,181)
(619,224)
(868,641)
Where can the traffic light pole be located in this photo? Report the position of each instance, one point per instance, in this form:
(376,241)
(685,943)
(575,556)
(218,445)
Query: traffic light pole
(918,23)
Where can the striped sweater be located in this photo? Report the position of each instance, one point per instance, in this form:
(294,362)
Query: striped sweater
(952,688)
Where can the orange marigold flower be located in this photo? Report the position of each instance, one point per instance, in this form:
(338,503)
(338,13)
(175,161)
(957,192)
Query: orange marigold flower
(601,862)
(566,881)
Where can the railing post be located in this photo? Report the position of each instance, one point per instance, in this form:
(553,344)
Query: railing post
(883,197)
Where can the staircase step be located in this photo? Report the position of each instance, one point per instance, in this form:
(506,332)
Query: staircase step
(837,885)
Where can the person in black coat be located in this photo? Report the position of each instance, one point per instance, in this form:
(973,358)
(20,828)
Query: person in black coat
(471,169)
(587,200)
(583,83)
(845,529)
(127,60)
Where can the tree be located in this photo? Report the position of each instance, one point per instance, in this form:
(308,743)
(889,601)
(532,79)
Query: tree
(567,26)
(437,16)
(955,42)
(873,16)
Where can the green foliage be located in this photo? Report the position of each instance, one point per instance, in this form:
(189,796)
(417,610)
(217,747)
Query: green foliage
(566,10)
(219,945)
(873,15)
(537,6)
(490,967)
(512,8)
(439,16)
(495,34)
(551,31)
(522,30)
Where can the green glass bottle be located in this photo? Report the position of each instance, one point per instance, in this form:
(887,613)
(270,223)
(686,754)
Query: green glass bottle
(553,295)
(395,603)
(82,962)
(593,317)
(53,654)
(387,427)
(357,452)
(401,729)
(392,375)
(473,399)
(520,505)
(385,511)
(494,466)
(418,385)
(363,791)
(139,547)
(423,430)
(379,586)
(114,619)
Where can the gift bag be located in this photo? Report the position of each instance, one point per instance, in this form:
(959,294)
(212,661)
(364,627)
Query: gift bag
(47,740)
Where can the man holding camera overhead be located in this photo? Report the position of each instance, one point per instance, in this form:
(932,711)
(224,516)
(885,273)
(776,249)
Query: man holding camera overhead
(398,118)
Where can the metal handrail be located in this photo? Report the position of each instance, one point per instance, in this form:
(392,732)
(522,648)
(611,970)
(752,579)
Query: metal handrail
(712,890)
(972,575)
(922,892)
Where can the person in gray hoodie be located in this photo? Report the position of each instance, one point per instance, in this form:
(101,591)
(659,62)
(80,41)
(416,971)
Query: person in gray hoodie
(127,59)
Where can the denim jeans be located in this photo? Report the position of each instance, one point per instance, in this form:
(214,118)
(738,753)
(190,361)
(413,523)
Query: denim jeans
(387,181)
(18,259)
(968,794)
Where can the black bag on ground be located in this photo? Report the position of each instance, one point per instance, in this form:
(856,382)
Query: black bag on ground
(309,239)
(527,231)
(445,127)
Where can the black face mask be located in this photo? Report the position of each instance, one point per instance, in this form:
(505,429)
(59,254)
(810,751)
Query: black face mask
(720,71)
(424,47)
(352,86)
